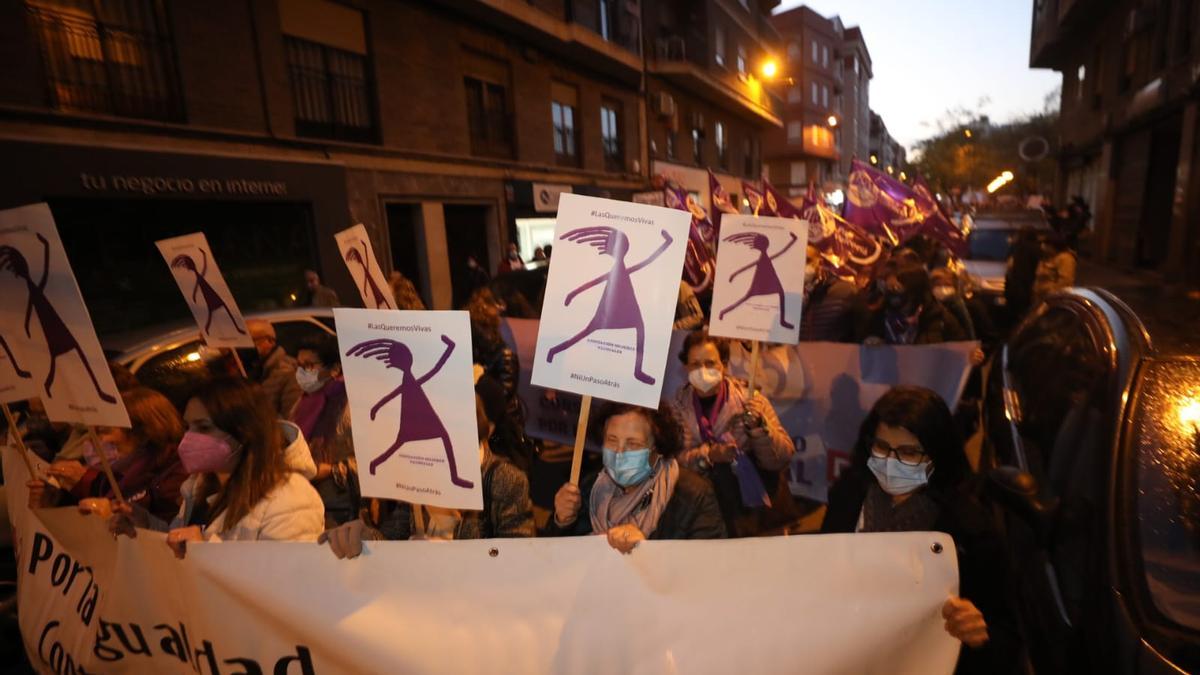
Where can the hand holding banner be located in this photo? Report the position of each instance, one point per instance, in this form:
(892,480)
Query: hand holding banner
(359,256)
(204,288)
(424,360)
(634,254)
(760,279)
(59,351)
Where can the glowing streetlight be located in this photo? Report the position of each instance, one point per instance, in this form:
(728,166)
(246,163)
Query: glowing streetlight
(874,159)
(903,176)
(890,170)
(770,68)
(832,120)
(967,133)
(1007,175)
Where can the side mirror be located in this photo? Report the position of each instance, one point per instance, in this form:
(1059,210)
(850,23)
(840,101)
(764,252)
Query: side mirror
(1017,491)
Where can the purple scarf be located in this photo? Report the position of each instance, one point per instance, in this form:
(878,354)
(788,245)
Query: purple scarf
(750,484)
(307,414)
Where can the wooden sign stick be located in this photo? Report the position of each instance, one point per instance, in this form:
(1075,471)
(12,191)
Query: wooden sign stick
(108,472)
(418,513)
(585,409)
(18,441)
(238,360)
(753,372)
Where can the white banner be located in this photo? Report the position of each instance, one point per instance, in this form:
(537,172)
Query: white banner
(412,398)
(204,289)
(46,327)
(862,603)
(610,299)
(359,256)
(759,279)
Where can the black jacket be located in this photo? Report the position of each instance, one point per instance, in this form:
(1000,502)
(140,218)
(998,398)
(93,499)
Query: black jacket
(692,512)
(982,571)
(936,325)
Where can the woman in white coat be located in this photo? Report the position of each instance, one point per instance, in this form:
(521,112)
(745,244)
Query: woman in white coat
(249,474)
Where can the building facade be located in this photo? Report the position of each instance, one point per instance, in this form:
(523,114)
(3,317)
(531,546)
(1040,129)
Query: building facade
(885,152)
(854,136)
(1128,125)
(708,102)
(442,127)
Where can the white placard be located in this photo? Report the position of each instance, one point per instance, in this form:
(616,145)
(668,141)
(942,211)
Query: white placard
(47,327)
(203,286)
(359,256)
(610,299)
(412,398)
(760,279)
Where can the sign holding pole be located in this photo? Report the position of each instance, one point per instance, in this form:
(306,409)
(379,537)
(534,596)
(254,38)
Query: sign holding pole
(359,256)
(408,375)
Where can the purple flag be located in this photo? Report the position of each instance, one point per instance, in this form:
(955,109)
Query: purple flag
(698,261)
(887,208)
(758,205)
(720,203)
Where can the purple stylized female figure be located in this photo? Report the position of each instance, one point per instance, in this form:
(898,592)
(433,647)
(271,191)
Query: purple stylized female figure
(766,279)
(369,286)
(21,373)
(212,299)
(59,339)
(418,420)
(618,306)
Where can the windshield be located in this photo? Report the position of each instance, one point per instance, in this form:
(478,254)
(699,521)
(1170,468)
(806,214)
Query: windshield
(1167,422)
(988,245)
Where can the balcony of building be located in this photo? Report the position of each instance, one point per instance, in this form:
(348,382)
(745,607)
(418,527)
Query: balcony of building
(603,34)
(684,61)
(1057,24)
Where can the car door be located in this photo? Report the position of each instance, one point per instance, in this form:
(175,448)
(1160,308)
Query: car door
(1051,410)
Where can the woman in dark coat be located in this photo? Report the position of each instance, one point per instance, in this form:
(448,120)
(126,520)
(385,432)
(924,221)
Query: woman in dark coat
(910,315)
(910,474)
(642,493)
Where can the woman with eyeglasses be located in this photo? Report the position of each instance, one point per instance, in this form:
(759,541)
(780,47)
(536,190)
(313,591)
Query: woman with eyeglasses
(909,473)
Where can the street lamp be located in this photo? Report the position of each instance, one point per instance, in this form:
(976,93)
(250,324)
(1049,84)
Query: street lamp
(874,159)
(903,176)
(1007,175)
(967,133)
(832,120)
(890,170)
(770,68)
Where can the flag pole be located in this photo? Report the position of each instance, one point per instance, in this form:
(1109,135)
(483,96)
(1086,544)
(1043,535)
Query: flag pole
(104,464)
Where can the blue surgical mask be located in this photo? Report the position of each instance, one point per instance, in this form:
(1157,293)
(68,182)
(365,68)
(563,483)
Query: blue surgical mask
(627,468)
(897,478)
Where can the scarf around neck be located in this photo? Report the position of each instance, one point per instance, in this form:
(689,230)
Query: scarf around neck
(918,513)
(610,505)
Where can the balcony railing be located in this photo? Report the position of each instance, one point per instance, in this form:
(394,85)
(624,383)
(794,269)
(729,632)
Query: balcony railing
(117,63)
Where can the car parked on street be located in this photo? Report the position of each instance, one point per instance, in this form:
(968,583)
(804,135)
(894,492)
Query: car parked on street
(174,358)
(1093,454)
(988,243)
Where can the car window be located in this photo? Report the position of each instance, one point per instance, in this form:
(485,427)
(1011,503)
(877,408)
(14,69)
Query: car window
(174,371)
(1166,421)
(988,245)
(291,334)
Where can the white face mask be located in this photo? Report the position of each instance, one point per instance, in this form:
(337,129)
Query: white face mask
(943,292)
(309,380)
(896,478)
(705,380)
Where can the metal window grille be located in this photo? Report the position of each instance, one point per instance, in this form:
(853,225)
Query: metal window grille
(330,91)
(115,57)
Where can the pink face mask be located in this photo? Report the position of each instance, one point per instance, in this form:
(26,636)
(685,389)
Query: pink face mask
(202,453)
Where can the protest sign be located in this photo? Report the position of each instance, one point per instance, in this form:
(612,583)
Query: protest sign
(46,325)
(359,256)
(610,299)
(760,279)
(88,603)
(203,286)
(411,390)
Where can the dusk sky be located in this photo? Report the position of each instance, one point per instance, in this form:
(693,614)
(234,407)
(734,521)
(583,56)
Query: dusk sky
(932,55)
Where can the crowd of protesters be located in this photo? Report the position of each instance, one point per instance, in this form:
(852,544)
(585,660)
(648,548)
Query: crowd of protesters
(270,457)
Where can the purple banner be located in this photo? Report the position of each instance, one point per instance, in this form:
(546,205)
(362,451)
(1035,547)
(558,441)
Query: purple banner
(887,208)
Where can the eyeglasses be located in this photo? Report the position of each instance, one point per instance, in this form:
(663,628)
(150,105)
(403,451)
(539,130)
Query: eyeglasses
(910,455)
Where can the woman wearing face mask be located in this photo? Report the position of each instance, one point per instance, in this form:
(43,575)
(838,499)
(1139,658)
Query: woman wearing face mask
(735,439)
(248,474)
(642,492)
(324,418)
(143,458)
(507,511)
(909,474)
(910,315)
